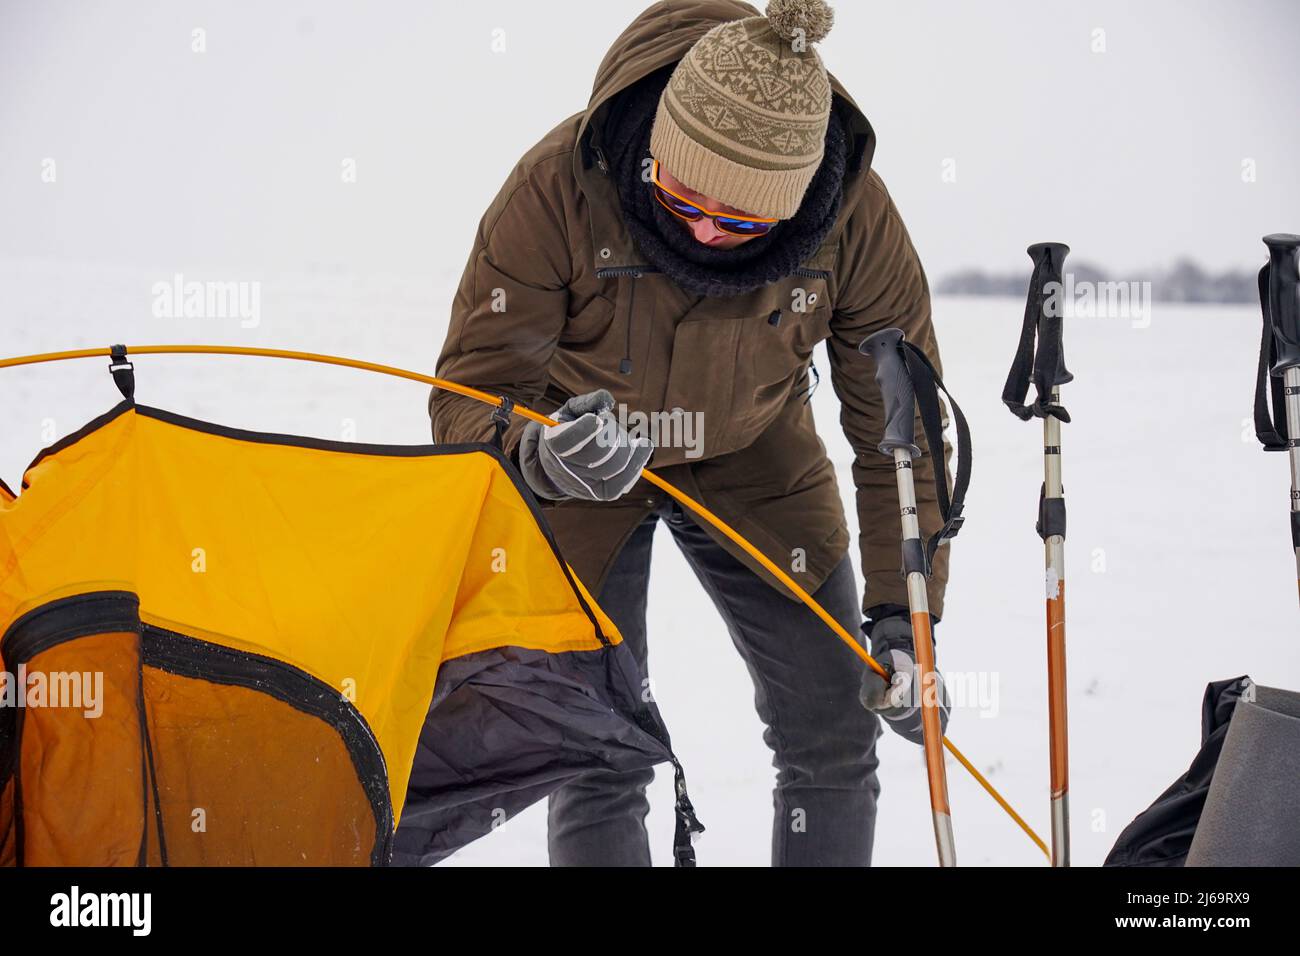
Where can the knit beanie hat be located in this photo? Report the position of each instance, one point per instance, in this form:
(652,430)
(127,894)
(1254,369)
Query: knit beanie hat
(743,117)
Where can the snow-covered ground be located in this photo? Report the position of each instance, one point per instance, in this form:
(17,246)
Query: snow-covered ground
(1179,566)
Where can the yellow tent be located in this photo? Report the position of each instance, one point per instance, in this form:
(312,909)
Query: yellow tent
(227,647)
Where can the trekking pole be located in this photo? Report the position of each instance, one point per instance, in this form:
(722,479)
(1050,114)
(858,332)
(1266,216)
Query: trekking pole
(1279,364)
(897,363)
(1046,366)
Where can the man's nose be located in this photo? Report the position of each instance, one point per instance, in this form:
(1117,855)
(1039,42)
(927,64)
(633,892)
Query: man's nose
(705,229)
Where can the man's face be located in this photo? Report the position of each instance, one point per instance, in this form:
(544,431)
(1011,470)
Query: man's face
(705,230)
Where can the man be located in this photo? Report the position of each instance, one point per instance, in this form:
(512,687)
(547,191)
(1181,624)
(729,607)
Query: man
(681,246)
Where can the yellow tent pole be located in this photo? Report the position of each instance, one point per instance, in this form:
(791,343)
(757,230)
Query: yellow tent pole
(490,399)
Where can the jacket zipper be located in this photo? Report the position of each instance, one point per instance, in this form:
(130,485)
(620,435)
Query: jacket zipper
(636,272)
(625,366)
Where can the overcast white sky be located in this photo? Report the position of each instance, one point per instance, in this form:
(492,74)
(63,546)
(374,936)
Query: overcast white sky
(230,159)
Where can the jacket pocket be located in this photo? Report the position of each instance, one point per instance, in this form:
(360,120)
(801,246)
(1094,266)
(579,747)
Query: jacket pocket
(780,344)
(702,380)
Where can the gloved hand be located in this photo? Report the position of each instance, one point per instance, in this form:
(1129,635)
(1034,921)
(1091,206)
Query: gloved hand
(898,702)
(587,455)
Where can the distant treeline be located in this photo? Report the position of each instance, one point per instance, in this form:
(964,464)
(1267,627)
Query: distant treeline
(1185,281)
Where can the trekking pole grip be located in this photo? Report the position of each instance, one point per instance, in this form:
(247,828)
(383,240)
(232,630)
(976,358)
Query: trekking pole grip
(1284,299)
(896,389)
(1049,263)
(1051,254)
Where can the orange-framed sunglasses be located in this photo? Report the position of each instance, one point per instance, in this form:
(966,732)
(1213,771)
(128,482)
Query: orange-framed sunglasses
(683,208)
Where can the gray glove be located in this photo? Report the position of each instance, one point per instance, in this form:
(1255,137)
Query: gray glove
(587,455)
(898,702)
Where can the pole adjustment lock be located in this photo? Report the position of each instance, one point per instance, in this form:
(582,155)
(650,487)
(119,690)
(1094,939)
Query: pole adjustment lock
(1051,516)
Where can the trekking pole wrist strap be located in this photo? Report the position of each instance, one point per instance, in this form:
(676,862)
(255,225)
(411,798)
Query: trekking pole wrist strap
(927,385)
(1279,347)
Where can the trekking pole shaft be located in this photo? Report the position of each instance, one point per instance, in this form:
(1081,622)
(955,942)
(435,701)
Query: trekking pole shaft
(899,396)
(923,647)
(1058,723)
(1040,359)
(1291,380)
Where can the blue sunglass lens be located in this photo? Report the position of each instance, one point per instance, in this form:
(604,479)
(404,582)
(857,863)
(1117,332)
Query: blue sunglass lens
(743,227)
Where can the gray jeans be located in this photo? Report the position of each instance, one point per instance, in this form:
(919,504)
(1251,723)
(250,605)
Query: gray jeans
(806,693)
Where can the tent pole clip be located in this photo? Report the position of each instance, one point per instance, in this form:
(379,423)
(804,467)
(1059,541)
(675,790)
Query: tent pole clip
(122,370)
(501,421)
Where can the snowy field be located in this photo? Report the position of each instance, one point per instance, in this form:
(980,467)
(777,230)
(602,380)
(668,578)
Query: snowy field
(1178,559)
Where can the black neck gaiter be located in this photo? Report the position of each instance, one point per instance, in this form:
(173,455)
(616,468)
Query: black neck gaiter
(669,246)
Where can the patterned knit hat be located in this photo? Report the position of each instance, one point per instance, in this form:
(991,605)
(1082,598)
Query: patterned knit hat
(743,117)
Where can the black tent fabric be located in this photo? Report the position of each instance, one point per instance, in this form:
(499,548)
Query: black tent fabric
(1161,835)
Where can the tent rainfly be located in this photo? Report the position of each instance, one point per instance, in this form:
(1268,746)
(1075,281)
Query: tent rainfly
(223,647)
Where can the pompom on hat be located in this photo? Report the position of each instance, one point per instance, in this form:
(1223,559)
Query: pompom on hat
(743,117)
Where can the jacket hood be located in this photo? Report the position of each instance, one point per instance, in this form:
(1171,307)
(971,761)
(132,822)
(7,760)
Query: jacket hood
(659,37)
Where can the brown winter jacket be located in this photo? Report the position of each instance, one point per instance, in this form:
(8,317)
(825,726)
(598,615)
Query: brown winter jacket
(555,296)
